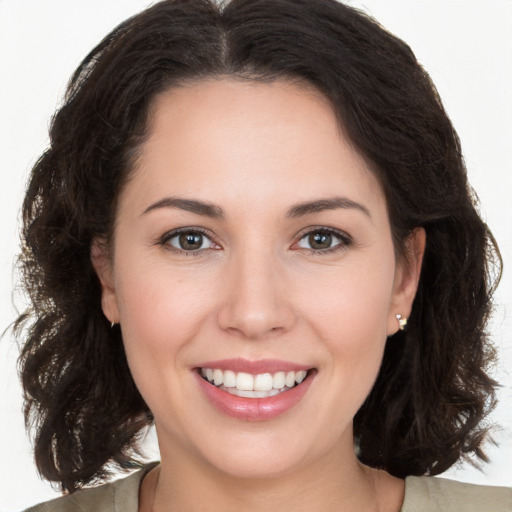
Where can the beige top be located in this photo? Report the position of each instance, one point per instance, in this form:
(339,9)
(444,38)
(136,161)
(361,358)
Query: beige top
(422,494)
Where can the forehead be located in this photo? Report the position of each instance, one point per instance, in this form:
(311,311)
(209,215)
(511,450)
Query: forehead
(224,139)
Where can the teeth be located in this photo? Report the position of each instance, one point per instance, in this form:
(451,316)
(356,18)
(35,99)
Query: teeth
(300,376)
(244,381)
(252,394)
(261,385)
(289,379)
(278,381)
(229,379)
(263,382)
(218,377)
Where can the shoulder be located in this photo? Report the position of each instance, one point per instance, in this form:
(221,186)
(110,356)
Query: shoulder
(119,496)
(432,494)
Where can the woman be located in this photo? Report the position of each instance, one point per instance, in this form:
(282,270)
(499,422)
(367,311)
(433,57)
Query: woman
(253,228)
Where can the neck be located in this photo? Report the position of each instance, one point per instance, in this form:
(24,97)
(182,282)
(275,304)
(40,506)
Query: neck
(338,483)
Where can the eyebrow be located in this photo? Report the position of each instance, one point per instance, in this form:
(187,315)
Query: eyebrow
(298,210)
(189,205)
(331,203)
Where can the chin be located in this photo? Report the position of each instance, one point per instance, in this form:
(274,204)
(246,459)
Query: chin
(267,454)
(257,464)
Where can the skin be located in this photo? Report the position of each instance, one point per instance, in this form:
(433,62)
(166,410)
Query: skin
(255,289)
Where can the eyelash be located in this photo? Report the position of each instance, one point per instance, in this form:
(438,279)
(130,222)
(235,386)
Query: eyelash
(345,240)
(167,237)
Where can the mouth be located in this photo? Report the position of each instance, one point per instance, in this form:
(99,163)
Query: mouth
(254,390)
(247,385)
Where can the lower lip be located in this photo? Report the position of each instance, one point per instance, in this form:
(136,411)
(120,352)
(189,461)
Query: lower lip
(254,409)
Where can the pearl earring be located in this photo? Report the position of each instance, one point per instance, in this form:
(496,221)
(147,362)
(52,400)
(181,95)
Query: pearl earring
(402,322)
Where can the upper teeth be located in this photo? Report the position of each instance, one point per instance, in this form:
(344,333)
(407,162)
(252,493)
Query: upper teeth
(248,382)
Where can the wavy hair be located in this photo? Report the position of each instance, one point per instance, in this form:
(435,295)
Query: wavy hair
(427,407)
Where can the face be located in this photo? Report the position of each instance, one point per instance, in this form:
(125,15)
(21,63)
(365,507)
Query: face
(254,278)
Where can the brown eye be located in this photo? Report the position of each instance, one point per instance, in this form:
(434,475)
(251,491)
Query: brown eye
(189,241)
(320,240)
(324,240)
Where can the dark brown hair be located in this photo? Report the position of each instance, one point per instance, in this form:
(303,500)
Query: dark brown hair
(427,407)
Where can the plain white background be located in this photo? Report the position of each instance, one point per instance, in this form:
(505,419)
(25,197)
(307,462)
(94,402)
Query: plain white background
(466,45)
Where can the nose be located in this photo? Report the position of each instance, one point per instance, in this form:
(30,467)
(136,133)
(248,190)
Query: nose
(256,303)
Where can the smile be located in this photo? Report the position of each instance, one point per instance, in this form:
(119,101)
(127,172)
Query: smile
(254,390)
(246,385)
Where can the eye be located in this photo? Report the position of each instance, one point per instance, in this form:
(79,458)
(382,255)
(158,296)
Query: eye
(189,240)
(324,240)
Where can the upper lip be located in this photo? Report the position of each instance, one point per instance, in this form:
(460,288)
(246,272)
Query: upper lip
(254,367)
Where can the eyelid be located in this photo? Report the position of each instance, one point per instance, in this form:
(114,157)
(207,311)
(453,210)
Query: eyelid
(345,239)
(164,239)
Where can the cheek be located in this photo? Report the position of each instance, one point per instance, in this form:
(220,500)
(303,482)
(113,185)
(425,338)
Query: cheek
(354,303)
(159,314)
(349,313)
(154,296)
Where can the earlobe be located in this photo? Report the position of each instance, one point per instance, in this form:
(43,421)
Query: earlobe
(102,264)
(406,280)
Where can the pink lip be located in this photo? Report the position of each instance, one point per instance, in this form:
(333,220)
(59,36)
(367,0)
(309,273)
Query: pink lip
(254,409)
(254,367)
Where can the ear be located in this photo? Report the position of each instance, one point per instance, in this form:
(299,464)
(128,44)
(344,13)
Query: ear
(407,277)
(102,264)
